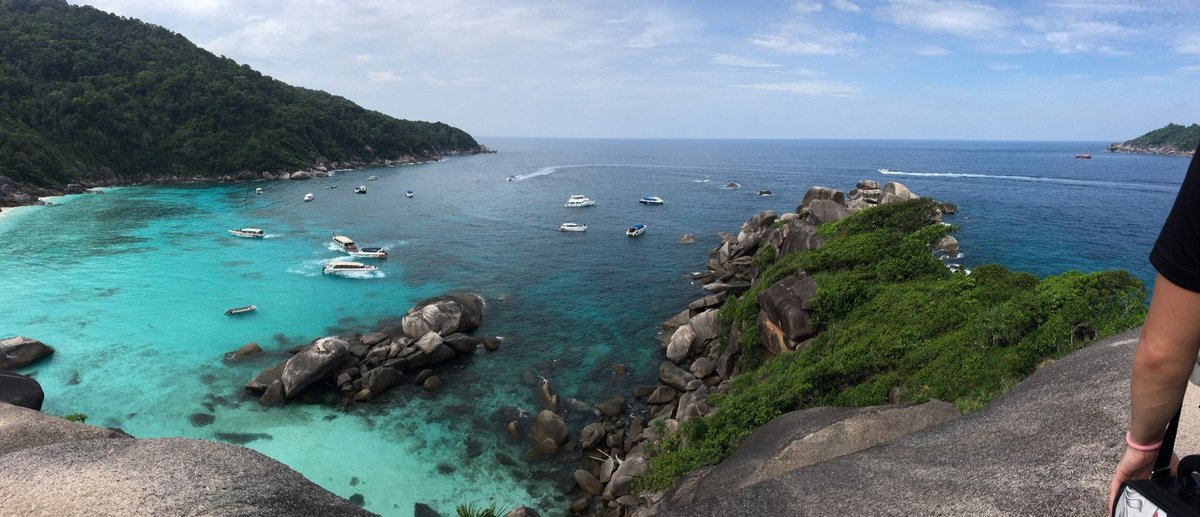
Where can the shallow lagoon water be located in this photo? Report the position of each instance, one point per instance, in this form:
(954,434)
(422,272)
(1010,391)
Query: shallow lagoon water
(130,285)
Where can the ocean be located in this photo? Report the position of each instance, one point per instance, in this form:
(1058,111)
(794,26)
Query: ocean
(130,285)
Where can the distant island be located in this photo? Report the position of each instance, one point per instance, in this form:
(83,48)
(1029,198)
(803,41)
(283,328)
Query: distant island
(1173,140)
(88,98)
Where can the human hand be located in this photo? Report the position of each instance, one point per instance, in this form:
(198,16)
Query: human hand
(1134,465)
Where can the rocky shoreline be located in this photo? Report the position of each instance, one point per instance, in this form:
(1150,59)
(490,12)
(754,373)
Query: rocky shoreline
(1165,150)
(13,194)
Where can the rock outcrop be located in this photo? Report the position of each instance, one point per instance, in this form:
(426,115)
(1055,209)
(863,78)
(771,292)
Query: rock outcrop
(21,390)
(20,351)
(365,366)
(53,466)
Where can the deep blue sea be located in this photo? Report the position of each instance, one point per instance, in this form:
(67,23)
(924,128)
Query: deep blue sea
(129,285)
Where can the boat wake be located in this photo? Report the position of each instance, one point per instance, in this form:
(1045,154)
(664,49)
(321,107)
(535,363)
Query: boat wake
(272,235)
(1036,179)
(546,171)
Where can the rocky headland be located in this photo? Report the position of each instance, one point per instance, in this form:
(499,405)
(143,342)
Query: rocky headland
(1166,150)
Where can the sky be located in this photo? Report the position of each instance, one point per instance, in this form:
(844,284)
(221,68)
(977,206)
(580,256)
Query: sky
(889,69)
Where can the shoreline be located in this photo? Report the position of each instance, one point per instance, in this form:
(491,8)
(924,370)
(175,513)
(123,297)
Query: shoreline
(26,195)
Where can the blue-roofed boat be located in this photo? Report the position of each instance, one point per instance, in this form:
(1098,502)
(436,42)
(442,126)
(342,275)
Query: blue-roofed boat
(636,230)
(651,200)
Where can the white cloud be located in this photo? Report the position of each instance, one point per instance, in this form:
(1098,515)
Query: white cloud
(932,51)
(806,7)
(1188,45)
(1189,69)
(845,6)
(960,18)
(728,60)
(814,88)
(384,77)
(815,43)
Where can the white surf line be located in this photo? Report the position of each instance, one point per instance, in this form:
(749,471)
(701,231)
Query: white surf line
(1038,179)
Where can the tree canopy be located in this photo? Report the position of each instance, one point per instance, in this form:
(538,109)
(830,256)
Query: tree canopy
(87,94)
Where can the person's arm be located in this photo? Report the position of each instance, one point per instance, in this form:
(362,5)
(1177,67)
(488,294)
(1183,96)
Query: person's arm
(1162,364)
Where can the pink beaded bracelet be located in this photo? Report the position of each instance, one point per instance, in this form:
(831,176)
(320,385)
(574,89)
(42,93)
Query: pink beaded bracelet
(1137,446)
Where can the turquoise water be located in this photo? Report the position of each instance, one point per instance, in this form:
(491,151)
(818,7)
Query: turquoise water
(130,285)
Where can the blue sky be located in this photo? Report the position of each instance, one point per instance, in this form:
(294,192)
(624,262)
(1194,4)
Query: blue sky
(919,69)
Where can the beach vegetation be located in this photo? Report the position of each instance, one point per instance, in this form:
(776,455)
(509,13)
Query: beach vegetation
(895,325)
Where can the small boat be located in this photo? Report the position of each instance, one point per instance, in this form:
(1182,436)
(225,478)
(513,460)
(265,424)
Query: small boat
(372,178)
(408,193)
(636,230)
(249,233)
(378,253)
(361,189)
(512,178)
(885,171)
(765,193)
(572,227)
(336,267)
(258,191)
(732,185)
(1084,156)
(345,243)
(332,186)
(309,196)
(240,310)
(577,200)
(651,200)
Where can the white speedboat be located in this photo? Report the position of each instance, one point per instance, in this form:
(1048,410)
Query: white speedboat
(249,233)
(577,200)
(361,189)
(572,227)
(378,253)
(636,230)
(345,243)
(336,267)
(651,200)
(408,193)
(309,196)
(372,178)
(258,191)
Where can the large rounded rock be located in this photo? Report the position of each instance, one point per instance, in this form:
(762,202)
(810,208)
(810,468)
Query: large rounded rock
(674,376)
(591,435)
(681,344)
(548,424)
(947,244)
(895,192)
(20,390)
(794,237)
(312,364)
(20,351)
(445,315)
(821,193)
(823,211)
(622,480)
(784,318)
(612,407)
(167,476)
(588,482)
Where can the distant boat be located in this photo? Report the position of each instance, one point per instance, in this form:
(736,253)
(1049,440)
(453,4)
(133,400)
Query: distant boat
(309,196)
(378,253)
(572,227)
(765,193)
(651,200)
(249,233)
(345,243)
(732,185)
(372,178)
(885,171)
(408,193)
(577,200)
(1084,156)
(636,230)
(361,189)
(258,191)
(240,310)
(336,267)
(512,178)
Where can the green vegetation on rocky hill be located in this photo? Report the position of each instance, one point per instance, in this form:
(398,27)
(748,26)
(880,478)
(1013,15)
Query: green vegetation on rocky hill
(896,325)
(90,95)
(1182,139)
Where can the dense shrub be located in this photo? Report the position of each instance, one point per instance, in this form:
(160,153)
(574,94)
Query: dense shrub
(893,318)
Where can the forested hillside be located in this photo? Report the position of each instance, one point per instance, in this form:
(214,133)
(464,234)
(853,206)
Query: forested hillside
(1172,139)
(87,95)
